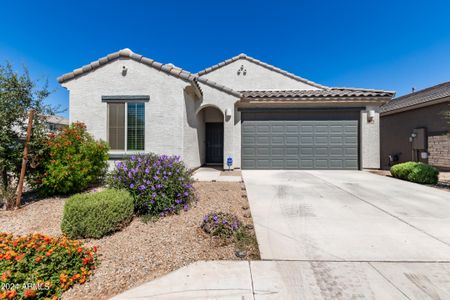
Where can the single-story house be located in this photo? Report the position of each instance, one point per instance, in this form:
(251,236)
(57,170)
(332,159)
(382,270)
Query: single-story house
(242,111)
(416,127)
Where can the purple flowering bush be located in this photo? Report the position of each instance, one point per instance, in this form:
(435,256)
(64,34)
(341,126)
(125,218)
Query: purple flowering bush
(161,184)
(220,224)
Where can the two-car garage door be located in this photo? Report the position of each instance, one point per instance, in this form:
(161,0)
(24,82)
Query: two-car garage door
(315,139)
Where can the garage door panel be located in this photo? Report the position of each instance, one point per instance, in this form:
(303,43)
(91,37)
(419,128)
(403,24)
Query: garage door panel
(291,151)
(277,140)
(276,143)
(292,164)
(263,129)
(306,140)
(278,163)
(278,129)
(277,151)
(263,151)
(291,140)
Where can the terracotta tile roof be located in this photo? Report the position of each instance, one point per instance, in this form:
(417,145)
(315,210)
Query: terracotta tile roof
(421,97)
(263,64)
(328,93)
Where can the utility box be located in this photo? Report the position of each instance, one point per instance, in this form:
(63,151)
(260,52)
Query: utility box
(420,140)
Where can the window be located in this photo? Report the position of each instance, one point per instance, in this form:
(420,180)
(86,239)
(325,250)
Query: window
(129,116)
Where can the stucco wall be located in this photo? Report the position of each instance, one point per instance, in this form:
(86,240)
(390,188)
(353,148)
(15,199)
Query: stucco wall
(370,139)
(397,128)
(257,78)
(232,124)
(163,113)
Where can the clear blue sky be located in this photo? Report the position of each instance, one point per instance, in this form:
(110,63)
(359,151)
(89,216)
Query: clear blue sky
(392,45)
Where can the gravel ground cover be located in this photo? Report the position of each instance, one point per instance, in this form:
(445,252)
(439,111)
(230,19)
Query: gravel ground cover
(144,251)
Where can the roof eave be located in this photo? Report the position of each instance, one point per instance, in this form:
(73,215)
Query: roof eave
(378,100)
(127,53)
(415,106)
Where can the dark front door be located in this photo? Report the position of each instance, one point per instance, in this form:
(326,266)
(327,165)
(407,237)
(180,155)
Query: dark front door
(214,143)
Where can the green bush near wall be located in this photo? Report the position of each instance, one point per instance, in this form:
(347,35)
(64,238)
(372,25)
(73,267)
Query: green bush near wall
(94,215)
(416,172)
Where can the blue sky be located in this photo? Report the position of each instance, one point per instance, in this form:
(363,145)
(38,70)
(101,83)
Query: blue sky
(394,45)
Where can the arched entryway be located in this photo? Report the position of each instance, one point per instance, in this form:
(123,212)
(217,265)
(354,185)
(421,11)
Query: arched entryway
(210,120)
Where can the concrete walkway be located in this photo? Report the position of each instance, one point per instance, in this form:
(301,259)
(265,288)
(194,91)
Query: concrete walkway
(213,174)
(328,235)
(298,280)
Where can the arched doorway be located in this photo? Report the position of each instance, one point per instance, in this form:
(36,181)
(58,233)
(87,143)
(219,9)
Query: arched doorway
(210,120)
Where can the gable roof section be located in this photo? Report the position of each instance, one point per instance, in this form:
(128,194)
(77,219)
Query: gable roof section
(263,64)
(425,97)
(166,68)
(127,53)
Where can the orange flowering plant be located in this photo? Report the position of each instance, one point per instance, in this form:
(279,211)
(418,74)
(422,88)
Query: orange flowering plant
(73,161)
(39,266)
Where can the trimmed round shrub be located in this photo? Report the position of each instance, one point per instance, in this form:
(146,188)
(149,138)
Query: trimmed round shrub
(160,184)
(416,172)
(220,224)
(74,160)
(42,267)
(94,215)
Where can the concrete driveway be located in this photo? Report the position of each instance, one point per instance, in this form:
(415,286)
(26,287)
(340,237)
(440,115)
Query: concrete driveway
(347,233)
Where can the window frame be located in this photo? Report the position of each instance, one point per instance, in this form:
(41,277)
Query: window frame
(125,100)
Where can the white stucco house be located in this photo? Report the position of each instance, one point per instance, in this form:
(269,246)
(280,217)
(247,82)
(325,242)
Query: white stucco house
(258,115)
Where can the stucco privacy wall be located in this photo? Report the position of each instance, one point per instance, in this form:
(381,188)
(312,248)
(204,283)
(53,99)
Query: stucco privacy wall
(257,78)
(370,139)
(163,113)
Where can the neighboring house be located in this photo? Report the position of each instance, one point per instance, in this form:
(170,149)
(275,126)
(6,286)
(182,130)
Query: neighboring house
(415,127)
(55,123)
(256,114)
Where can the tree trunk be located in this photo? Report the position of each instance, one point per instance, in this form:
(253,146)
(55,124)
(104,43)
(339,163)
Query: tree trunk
(5,180)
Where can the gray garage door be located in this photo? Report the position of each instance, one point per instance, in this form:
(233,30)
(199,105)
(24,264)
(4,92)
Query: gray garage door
(300,140)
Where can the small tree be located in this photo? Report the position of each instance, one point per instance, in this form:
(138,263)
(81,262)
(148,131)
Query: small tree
(18,95)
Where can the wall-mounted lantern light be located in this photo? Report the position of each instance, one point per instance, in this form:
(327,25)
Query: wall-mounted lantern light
(227,112)
(370,116)
(124,71)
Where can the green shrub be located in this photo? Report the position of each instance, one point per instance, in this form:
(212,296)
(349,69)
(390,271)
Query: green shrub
(416,172)
(402,170)
(74,160)
(423,173)
(93,215)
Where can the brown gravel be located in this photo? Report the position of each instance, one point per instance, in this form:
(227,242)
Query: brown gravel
(141,252)
(231,173)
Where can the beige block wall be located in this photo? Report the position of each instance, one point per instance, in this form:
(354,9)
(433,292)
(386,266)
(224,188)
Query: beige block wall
(439,149)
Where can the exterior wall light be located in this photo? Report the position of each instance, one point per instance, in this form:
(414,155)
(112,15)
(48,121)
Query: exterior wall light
(124,71)
(370,116)
(228,113)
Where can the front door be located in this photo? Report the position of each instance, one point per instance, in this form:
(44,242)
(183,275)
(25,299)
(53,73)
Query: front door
(214,143)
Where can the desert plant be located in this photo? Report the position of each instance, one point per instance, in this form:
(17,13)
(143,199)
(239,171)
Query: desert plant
(74,161)
(160,184)
(220,224)
(42,267)
(96,214)
(416,172)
